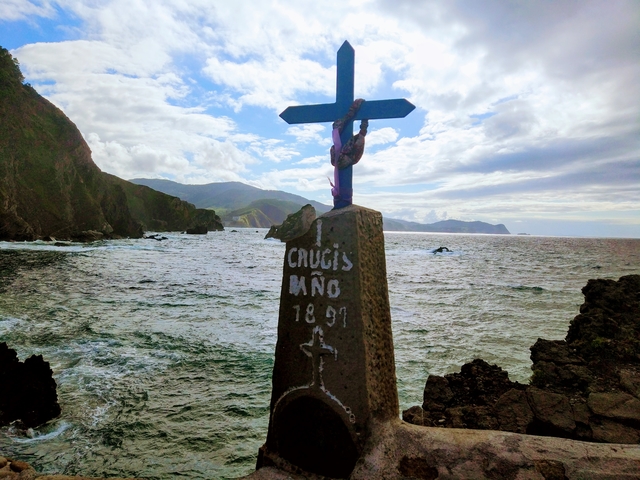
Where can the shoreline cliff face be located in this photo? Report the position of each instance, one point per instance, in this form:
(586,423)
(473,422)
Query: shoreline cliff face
(50,186)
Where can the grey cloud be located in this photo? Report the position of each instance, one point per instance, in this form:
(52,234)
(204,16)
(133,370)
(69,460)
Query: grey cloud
(511,119)
(620,180)
(553,154)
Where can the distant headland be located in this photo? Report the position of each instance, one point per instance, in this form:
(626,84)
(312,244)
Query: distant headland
(241,205)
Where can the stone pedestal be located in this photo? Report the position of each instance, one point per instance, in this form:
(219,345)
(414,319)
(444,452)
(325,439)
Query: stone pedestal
(334,368)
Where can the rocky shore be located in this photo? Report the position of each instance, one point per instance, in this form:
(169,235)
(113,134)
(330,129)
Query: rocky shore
(586,387)
(18,470)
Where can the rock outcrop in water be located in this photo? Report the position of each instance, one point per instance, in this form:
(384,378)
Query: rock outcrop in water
(50,187)
(586,387)
(294,226)
(28,389)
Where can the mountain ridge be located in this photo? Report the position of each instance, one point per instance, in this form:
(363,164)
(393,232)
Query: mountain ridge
(238,205)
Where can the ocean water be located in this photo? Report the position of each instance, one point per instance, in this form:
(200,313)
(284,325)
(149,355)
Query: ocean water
(162,351)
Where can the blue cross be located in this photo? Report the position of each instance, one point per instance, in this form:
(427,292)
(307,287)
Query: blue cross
(329,112)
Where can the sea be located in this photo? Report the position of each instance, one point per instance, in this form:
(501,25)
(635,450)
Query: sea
(163,350)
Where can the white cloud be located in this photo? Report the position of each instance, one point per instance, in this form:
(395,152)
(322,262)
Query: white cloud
(523,108)
(23,9)
(381,136)
(310,133)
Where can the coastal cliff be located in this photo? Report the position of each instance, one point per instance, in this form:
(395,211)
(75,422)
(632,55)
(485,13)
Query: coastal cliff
(50,186)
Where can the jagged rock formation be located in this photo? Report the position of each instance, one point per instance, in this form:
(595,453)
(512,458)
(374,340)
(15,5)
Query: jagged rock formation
(586,387)
(28,389)
(50,187)
(295,225)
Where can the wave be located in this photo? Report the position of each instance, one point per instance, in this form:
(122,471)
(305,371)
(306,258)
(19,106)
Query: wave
(32,435)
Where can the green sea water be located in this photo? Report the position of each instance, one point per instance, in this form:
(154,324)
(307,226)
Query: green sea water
(162,351)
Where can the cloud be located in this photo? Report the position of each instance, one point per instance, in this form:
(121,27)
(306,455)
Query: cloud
(23,9)
(309,133)
(523,108)
(381,136)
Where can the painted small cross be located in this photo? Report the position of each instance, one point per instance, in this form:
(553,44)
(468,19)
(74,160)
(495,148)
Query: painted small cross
(316,349)
(329,112)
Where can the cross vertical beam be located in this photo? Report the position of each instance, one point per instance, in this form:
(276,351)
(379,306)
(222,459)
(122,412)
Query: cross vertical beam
(329,112)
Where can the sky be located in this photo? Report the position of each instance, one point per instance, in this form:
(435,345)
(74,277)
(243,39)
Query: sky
(527,112)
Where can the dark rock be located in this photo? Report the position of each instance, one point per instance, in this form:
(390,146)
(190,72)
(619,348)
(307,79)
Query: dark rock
(608,431)
(556,351)
(479,383)
(198,230)
(551,469)
(19,466)
(630,381)
(29,390)
(87,236)
(294,226)
(552,413)
(618,406)
(437,393)
(477,417)
(513,411)
(608,326)
(155,236)
(414,415)
(417,467)
(585,387)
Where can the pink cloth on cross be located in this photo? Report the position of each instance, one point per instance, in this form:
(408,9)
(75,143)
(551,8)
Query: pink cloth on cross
(337,147)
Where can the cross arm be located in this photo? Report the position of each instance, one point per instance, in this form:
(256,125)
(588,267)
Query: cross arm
(376,109)
(329,112)
(325,112)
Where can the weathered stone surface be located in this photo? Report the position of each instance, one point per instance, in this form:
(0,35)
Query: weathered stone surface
(551,469)
(551,409)
(605,430)
(513,411)
(437,393)
(19,465)
(334,369)
(29,390)
(630,381)
(618,406)
(608,327)
(413,415)
(90,235)
(198,230)
(556,351)
(396,450)
(294,226)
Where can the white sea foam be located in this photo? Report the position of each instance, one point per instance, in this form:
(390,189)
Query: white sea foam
(32,435)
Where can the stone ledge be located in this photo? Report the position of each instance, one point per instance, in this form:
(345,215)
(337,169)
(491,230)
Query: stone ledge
(398,450)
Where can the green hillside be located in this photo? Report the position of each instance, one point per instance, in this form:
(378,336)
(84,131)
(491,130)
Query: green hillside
(160,212)
(261,213)
(225,197)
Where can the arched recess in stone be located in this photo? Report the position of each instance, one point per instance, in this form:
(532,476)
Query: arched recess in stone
(313,436)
